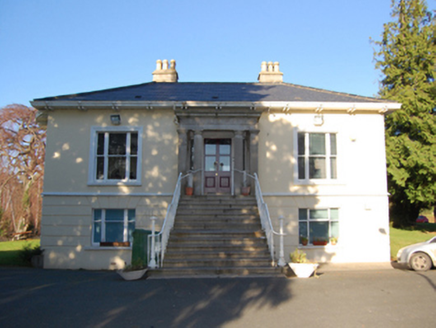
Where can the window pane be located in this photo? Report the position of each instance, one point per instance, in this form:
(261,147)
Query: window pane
(334,214)
(302,230)
(115,215)
(225,160)
(209,163)
(334,229)
(131,215)
(301,168)
(301,148)
(117,168)
(210,149)
(97,232)
(133,165)
(317,168)
(317,144)
(333,168)
(225,149)
(117,143)
(131,228)
(97,215)
(319,231)
(114,231)
(333,149)
(302,214)
(134,143)
(319,214)
(100,144)
(100,168)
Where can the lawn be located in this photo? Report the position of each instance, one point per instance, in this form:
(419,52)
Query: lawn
(10,250)
(405,237)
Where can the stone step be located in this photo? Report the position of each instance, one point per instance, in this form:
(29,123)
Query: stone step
(215,213)
(215,241)
(230,219)
(215,272)
(206,234)
(251,262)
(217,226)
(222,247)
(216,217)
(215,255)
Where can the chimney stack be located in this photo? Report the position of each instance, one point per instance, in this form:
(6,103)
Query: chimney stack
(163,73)
(270,73)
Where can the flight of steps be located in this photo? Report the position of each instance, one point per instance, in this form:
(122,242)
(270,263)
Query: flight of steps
(217,236)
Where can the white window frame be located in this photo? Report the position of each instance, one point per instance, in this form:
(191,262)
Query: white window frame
(92,179)
(328,156)
(103,225)
(310,220)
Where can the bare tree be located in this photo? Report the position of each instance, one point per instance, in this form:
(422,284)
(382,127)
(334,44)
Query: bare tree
(22,151)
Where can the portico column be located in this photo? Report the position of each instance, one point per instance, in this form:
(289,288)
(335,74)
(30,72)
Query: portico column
(183,151)
(254,151)
(238,150)
(198,161)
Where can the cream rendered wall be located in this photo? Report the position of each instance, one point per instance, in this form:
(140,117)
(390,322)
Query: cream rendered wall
(360,191)
(66,227)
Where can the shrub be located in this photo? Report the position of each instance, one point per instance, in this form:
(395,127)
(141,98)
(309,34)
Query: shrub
(28,252)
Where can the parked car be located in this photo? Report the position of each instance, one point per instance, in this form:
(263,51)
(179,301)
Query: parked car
(422,219)
(419,257)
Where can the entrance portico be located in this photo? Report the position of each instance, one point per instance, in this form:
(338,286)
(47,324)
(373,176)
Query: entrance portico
(218,146)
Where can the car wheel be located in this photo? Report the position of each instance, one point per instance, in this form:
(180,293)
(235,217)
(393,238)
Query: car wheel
(420,262)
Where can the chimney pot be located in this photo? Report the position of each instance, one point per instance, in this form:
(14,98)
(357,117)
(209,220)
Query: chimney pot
(263,66)
(158,65)
(270,73)
(165,74)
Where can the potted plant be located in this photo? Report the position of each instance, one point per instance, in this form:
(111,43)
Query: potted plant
(245,186)
(303,240)
(333,240)
(319,242)
(189,189)
(133,271)
(300,265)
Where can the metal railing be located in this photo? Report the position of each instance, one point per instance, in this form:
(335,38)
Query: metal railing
(266,221)
(157,243)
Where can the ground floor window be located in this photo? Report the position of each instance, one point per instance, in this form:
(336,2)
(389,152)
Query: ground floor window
(318,227)
(113,227)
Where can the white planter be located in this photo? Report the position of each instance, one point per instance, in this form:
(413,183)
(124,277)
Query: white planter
(132,275)
(303,270)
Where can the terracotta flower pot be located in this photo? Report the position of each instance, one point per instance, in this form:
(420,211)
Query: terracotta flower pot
(245,191)
(189,191)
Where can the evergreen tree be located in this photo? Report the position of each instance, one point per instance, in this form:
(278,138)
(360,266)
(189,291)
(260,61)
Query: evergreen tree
(406,56)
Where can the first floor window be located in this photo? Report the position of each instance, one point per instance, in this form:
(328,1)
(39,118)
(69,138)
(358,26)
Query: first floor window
(317,156)
(318,227)
(112,226)
(115,155)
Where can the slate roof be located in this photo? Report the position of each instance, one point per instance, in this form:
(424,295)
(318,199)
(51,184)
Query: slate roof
(214,91)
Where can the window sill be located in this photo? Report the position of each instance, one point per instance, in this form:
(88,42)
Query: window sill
(317,246)
(330,182)
(114,183)
(107,248)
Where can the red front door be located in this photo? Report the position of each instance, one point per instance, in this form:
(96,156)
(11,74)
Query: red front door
(217,165)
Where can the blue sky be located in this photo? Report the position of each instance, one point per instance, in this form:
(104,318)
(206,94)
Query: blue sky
(56,47)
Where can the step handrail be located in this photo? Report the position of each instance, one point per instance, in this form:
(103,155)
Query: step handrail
(265,219)
(157,243)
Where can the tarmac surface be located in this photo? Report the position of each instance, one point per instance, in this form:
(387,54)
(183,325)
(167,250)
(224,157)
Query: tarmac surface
(343,295)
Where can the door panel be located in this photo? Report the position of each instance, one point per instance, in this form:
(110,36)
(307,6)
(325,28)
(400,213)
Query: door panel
(217,165)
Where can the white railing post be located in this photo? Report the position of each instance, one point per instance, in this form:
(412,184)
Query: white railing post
(281,262)
(152,263)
